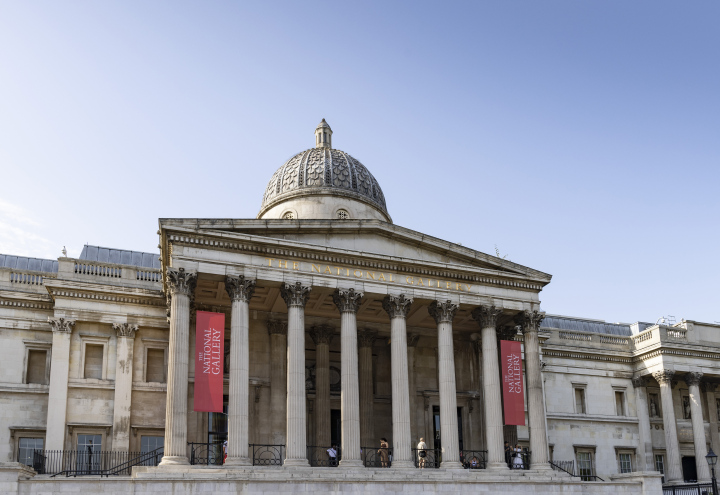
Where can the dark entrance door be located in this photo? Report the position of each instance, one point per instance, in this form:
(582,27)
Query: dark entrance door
(436,428)
(335,434)
(689,469)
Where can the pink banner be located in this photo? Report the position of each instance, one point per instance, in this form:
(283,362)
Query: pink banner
(209,357)
(513,397)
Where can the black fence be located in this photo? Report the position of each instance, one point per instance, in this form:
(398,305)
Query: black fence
(427,458)
(376,457)
(694,489)
(473,459)
(267,455)
(206,453)
(92,463)
(566,466)
(322,456)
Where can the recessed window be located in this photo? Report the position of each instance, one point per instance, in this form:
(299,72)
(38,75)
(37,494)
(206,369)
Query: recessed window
(625,462)
(150,443)
(26,449)
(37,367)
(343,215)
(586,469)
(620,403)
(155,362)
(288,215)
(93,361)
(580,405)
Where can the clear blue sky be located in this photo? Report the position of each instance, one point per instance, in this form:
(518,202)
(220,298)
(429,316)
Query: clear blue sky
(581,138)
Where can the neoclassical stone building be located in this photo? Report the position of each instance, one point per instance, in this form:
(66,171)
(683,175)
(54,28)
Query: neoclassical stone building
(341,328)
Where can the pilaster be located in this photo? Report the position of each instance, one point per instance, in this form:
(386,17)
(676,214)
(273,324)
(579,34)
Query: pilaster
(322,335)
(366,340)
(672,450)
(59,374)
(123,385)
(696,417)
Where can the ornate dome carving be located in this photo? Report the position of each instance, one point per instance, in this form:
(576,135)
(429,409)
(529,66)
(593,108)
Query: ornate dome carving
(323,171)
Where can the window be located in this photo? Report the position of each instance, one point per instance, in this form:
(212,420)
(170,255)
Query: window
(343,215)
(686,406)
(26,449)
(155,366)
(88,455)
(580,406)
(37,367)
(660,465)
(620,403)
(625,462)
(584,457)
(289,215)
(93,367)
(150,444)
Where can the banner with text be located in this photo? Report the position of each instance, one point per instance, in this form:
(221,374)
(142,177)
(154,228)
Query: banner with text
(511,362)
(209,356)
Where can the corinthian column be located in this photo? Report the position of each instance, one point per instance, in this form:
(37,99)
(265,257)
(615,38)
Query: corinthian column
(181,287)
(123,385)
(443,314)
(397,308)
(530,322)
(672,450)
(240,290)
(710,388)
(278,380)
(486,316)
(59,374)
(366,339)
(347,301)
(696,416)
(322,336)
(412,341)
(296,296)
(645,453)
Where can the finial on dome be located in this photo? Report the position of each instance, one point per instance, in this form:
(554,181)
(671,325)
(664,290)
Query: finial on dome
(323,135)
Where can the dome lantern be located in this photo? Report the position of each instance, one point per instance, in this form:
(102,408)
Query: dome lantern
(323,135)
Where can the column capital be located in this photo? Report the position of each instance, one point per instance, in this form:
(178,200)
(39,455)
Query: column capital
(529,321)
(506,332)
(397,306)
(443,312)
(639,381)
(61,325)
(412,339)
(366,338)
(239,288)
(347,300)
(693,378)
(664,376)
(322,334)
(125,330)
(181,282)
(710,386)
(295,294)
(277,327)
(486,316)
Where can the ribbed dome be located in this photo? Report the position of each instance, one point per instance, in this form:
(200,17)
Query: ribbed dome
(323,171)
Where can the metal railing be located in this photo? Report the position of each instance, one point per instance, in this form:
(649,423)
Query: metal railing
(566,466)
(376,457)
(320,457)
(91,463)
(206,453)
(473,459)
(690,489)
(519,460)
(267,455)
(431,459)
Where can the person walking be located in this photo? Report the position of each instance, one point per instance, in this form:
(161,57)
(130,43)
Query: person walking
(384,453)
(422,453)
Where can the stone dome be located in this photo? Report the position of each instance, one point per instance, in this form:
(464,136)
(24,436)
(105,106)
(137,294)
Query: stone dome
(323,182)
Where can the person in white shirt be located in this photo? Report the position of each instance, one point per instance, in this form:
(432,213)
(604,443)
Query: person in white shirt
(332,455)
(422,453)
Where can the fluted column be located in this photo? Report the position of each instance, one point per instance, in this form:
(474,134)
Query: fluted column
(322,336)
(58,389)
(530,323)
(696,417)
(412,341)
(296,296)
(366,339)
(123,385)
(181,287)
(278,381)
(710,388)
(347,301)
(397,308)
(673,470)
(486,316)
(644,453)
(443,314)
(240,291)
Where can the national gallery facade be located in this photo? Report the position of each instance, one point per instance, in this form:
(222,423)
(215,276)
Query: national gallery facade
(341,329)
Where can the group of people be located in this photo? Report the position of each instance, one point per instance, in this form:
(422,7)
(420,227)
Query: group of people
(514,456)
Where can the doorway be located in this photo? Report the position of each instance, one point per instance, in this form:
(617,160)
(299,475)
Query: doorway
(689,469)
(436,428)
(335,427)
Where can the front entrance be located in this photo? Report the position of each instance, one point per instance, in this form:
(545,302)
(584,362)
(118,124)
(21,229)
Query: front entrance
(689,469)
(436,428)
(335,427)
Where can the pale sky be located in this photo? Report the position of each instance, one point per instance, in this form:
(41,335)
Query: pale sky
(580,138)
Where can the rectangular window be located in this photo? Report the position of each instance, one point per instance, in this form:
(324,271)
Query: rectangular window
(37,367)
(26,449)
(148,443)
(585,465)
(88,455)
(155,365)
(660,465)
(580,401)
(93,361)
(620,403)
(625,463)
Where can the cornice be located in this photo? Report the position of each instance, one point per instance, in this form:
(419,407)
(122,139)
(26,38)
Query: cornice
(99,292)
(587,355)
(19,303)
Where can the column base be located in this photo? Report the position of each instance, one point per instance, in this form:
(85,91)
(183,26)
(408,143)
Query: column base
(451,465)
(238,461)
(351,463)
(497,466)
(296,463)
(403,465)
(540,466)
(174,460)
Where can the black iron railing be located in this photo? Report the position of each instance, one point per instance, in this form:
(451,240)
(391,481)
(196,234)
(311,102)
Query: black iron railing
(376,457)
(322,456)
(519,460)
(427,458)
(206,453)
(565,466)
(473,459)
(267,455)
(91,463)
(689,489)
